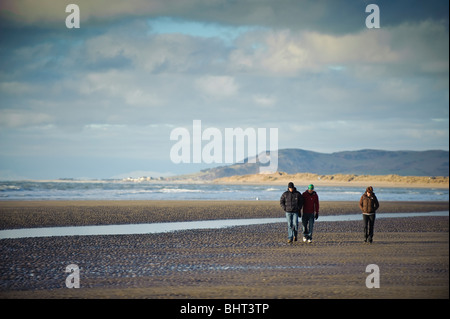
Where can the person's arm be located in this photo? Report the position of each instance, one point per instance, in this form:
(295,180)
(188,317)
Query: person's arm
(316,206)
(283,202)
(377,205)
(361,203)
(300,205)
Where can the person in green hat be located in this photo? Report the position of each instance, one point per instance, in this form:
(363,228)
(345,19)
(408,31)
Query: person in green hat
(310,212)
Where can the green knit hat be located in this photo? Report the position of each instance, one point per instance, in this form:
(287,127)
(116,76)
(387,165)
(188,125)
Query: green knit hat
(310,186)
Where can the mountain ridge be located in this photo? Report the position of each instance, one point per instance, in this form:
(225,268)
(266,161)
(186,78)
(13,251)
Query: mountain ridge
(360,162)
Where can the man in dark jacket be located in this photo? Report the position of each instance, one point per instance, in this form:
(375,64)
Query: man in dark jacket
(368,205)
(310,212)
(292,201)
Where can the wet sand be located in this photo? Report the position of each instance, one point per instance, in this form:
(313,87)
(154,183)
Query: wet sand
(238,262)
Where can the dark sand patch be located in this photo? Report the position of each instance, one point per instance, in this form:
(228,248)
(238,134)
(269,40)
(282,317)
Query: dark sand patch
(26,214)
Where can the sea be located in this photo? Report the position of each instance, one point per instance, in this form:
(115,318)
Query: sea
(126,190)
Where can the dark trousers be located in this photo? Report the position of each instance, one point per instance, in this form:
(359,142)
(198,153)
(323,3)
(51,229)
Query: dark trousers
(369,223)
(308,225)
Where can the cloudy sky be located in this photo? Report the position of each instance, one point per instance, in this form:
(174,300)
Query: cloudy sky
(101,101)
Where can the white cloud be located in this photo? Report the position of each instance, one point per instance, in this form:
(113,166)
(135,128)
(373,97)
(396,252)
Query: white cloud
(217,86)
(123,87)
(276,52)
(10,118)
(286,52)
(267,68)
(17,88)
(265,100)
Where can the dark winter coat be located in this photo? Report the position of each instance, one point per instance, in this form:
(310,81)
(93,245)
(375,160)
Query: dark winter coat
(368,204)
(291,202)
(310,203)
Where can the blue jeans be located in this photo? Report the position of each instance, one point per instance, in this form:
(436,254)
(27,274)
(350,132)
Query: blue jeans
(292,220)
(308,225)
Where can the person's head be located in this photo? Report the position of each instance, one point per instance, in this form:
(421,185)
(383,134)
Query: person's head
(369,190)
(291,187)
(310,188)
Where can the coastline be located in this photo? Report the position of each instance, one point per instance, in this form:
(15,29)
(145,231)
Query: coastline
(338,180)
(282,178)
(237,262)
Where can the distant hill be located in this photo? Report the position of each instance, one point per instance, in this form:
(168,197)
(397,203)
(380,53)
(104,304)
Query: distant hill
(363,162)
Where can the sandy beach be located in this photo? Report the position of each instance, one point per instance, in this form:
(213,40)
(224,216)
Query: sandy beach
(237,262)
(348,180)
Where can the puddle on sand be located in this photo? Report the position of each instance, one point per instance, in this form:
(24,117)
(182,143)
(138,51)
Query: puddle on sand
(155,228)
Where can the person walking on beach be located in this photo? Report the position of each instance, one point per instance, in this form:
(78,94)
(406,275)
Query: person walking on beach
(310,212)
(292,201)
(368,205)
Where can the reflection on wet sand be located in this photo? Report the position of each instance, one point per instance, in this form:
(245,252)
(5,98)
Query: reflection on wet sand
(154,228)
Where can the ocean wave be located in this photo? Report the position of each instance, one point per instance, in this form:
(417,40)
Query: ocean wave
(352,193)
(45,190)
(4,188)
(180,190)
(135,191)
